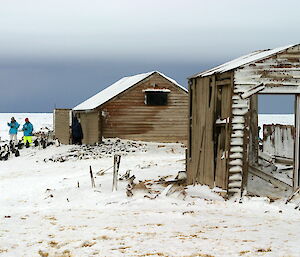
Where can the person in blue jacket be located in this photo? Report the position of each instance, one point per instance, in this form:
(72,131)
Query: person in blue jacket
(13,131)
(27,130)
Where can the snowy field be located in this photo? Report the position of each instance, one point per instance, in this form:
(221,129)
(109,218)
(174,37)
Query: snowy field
(284,119)
(49,208)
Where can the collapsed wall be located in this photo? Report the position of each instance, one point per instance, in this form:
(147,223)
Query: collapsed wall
(278,140)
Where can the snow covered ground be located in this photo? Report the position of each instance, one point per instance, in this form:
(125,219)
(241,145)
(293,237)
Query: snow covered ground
(49,208)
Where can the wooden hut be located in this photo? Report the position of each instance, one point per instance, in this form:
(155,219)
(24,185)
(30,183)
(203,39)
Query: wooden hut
(148,107)
(222,141)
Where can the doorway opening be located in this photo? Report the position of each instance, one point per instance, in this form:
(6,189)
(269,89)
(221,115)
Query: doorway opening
(272,145)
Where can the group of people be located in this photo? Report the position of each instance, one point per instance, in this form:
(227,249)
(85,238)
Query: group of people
(14,128)
(77,134)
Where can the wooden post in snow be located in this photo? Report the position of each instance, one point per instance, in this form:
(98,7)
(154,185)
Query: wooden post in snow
(92,177)
(117,159)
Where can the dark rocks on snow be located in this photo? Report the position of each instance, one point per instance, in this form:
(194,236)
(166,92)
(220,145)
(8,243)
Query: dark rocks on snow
(108,147)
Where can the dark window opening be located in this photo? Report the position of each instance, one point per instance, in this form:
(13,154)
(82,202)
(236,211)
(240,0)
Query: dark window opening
(210,95)
(156,98)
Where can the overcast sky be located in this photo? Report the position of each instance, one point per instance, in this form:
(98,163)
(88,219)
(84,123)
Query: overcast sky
(57,53)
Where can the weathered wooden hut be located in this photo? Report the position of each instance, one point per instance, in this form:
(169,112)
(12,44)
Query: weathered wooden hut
(148,107)
(222,141)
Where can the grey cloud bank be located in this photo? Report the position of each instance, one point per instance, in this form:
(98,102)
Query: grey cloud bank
(81,46)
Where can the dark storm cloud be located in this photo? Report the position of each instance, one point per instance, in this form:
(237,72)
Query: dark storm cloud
(58,53)
(32,86)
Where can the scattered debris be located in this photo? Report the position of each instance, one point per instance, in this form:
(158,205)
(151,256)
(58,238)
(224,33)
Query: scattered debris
(108,147)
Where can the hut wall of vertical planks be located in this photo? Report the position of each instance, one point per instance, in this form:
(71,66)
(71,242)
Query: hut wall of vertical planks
(223,134)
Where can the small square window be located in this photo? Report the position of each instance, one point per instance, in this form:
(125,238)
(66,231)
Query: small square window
(156,98)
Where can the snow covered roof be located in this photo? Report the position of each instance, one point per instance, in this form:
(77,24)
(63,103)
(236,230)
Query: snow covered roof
(117,88)
(165,90)
(243,60)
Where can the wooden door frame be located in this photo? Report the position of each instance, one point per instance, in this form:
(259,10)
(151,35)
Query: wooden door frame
(100,126)
(296,172)
(296,179)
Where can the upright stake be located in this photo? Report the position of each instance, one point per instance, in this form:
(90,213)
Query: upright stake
(92,177)
(117,159)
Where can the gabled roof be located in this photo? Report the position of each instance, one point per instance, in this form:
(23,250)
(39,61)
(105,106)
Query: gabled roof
(241,61)
(117,88)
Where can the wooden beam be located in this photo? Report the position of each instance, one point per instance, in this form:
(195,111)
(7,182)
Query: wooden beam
(252,91)
(283,160)
(296,173)
(223,82)
(274,181)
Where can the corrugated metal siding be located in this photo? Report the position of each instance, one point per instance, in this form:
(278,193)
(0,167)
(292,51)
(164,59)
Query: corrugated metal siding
(127,116)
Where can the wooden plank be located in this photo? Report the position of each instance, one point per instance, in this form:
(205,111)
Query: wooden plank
(245,159)
(274,181)
(200,125)
(283,160)
(252,91)
(224,82)
(296,172)
(224,75)
(188,156)
(253,131)
(221,160)
(210,121)
(62,125)
(201,118)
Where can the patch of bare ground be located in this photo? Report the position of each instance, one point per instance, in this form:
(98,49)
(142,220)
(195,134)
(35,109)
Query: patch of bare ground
(262,250)
(53,244)
(122,249)
(103,237)
(88,244)
(152,254)
(43,253)
(244,252)
(199,255)
(111,228)
(3,250)
(166,255)
(183,237)
(65,253)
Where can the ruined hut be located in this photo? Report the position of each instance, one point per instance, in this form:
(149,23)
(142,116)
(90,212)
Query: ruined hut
(148,107)
(223,136)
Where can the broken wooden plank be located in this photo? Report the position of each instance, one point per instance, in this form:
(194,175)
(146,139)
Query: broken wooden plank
(117,159)
(274,181)
(283,160)
(252,91)
(293,195)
